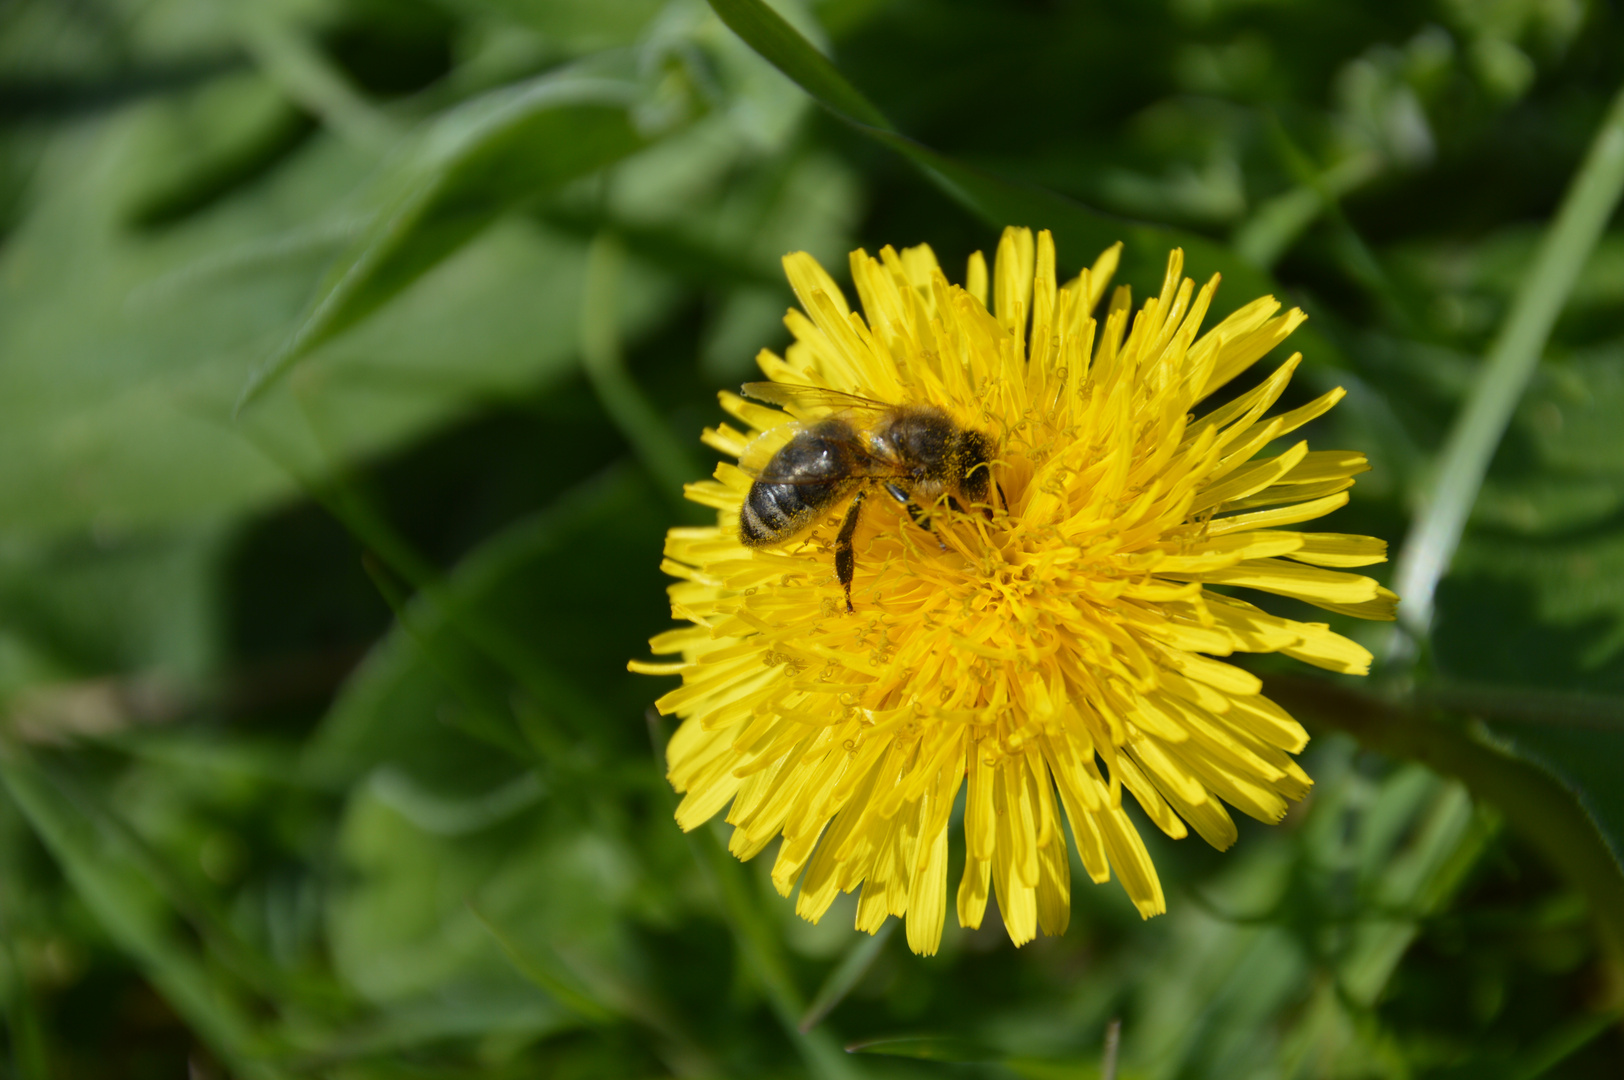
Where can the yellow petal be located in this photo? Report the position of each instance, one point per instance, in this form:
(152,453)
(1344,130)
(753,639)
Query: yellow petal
(1340,549)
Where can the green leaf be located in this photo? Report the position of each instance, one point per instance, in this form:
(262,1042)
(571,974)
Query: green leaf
(125,353)
(127,605)
(1586,760)
(559,984)
(126,350)
(399,927)
(769,34)
(226,133)
(929,1048)
(472,165)
(847,974)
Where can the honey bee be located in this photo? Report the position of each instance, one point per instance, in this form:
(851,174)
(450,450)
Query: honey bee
(915,454)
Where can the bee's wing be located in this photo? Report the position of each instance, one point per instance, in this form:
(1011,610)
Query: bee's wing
(761,449)
(809,397)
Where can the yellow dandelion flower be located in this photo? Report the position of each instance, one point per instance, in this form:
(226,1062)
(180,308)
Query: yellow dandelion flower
(1044,647)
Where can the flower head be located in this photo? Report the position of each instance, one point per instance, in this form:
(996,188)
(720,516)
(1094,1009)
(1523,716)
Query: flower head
(1044,650)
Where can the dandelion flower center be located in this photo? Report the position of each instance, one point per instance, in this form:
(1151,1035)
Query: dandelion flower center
(1039,652)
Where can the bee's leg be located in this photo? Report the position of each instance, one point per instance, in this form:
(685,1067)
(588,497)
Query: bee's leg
(1002,499)
(845,556)
(915,511)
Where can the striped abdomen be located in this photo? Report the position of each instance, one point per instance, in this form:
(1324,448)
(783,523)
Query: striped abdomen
(808,474)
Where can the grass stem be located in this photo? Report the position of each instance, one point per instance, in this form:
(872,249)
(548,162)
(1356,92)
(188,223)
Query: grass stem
(1563,251)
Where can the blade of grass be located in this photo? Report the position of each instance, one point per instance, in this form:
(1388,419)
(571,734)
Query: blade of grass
(846,975)
(1277,224)
(1591,198)
(769,34)
(930,1048)
(29,1060)
(994,200)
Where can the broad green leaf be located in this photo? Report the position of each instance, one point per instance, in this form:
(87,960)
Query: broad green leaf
(141,606)
(112,338)
(1535,803)
(400,928)
(560,985)
(471,165)
(1533,623)
(1586,760)
(125,353)
(126,349)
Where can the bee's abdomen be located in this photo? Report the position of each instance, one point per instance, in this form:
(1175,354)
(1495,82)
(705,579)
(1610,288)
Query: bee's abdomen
(774,512)
(809,473)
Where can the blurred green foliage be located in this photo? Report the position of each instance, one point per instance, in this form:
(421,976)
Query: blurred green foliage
(346,348)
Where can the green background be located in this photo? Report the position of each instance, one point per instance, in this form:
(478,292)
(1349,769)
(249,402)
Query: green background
(352,353)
